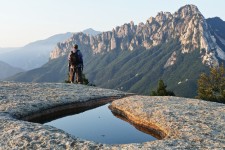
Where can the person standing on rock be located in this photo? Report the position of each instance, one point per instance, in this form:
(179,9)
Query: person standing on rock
(75,65)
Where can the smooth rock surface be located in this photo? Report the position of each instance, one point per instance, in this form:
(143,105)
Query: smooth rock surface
(186,123)
(18,100)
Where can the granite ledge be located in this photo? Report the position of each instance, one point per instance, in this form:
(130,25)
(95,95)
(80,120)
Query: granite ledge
(187,123)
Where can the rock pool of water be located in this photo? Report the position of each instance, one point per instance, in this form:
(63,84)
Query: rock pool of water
(100,125)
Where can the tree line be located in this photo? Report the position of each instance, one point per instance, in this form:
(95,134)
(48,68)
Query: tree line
(210,87)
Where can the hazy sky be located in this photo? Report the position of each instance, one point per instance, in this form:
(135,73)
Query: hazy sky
(25,21)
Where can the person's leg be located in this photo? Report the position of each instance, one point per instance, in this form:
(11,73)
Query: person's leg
(79,79)
(76,72)
(72,71)
(73,75)
(69,67)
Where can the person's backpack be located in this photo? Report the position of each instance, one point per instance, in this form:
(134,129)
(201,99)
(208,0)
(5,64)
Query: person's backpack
(75,59)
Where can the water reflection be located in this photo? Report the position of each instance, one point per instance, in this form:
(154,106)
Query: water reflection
(100,125)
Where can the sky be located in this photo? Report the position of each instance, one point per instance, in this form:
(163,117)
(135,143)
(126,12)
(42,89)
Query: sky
(25,21)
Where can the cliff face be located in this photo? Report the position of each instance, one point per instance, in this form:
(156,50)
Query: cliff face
(187,24)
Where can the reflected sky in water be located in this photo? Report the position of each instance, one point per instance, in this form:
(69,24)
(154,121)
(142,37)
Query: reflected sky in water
(100,125)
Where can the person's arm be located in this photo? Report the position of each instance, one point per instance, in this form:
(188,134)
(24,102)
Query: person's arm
(69,55)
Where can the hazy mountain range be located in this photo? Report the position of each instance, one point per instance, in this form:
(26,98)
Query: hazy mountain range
(174,47)
(5,50)
(7,70)
(35,54)
(91,32)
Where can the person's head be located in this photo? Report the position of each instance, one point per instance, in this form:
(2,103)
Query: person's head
(76,46)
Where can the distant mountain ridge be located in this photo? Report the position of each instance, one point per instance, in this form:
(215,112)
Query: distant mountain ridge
(7,70)
(7,49)
(217,29)
(173,47)
(91,32)
(35,54)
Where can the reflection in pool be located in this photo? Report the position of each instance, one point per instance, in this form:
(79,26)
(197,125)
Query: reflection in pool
(100,125)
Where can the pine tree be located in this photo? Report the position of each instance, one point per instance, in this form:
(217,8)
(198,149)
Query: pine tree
(85,80)
(68,78)
(212,87)
(161,90)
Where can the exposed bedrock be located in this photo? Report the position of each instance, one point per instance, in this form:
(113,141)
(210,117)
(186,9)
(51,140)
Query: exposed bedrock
(182,123)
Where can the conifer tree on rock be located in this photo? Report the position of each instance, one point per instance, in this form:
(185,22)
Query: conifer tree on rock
(161,90)
(212,87)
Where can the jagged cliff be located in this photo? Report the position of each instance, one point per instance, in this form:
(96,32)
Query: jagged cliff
(187,24)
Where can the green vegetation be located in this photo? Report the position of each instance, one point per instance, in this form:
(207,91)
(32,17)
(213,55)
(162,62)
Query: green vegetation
(85,80)
(212,87)
(68,78)
(133,71)
(161,90)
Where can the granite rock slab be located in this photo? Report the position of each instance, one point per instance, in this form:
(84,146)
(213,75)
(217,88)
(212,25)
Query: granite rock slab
(184,123)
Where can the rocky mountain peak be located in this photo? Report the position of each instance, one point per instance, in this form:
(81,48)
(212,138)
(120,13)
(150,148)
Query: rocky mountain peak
(187,24)
(188,10)
(162,17)
(91,32)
